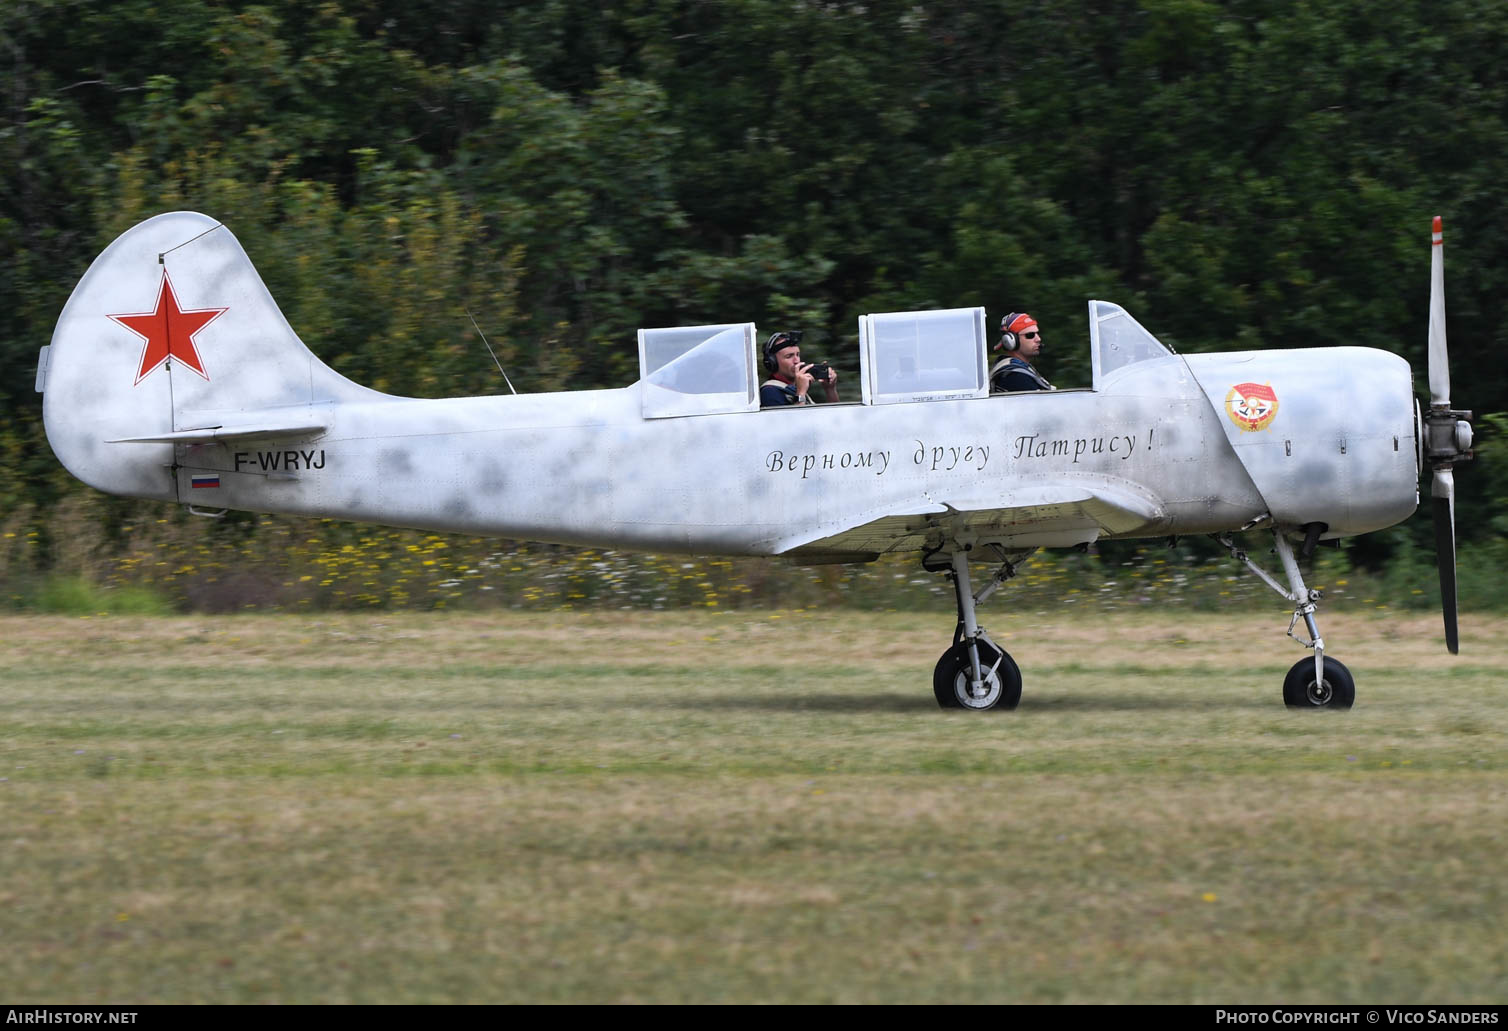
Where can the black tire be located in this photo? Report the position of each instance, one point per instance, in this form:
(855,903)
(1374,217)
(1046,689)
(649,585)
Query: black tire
(942,679)
(1336,691)
(950,679)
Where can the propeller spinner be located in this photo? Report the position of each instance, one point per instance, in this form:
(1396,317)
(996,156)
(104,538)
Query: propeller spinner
(1447,439)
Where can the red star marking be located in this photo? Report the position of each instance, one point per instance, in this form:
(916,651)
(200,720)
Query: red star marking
(169,331)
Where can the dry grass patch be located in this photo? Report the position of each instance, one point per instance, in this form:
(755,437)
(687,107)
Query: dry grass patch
(742,807)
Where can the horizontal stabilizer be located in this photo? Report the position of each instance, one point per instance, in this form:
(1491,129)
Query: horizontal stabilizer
(229,434)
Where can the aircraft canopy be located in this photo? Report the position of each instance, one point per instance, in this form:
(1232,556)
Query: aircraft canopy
(698,370)
(904,356)
(1116,340)
(923,355)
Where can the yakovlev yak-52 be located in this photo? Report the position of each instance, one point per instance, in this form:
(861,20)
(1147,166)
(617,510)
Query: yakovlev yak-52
(173,375)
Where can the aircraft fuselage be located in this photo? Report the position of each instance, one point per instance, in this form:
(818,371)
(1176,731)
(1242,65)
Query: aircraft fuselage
(587,468)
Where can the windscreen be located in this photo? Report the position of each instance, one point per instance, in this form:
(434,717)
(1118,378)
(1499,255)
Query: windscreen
(1119,340)
(715,365)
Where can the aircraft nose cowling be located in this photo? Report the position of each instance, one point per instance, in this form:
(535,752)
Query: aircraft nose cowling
(1326,434)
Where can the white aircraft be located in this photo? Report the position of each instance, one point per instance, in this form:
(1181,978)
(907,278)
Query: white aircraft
(173,375)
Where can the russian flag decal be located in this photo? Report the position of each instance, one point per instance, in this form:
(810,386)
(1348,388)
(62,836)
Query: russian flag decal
(212,480)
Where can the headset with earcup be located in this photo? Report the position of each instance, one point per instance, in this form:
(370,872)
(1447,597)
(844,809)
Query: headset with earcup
(1008,339)
(778,342)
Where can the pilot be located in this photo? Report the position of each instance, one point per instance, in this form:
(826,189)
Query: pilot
(790,378)
(1021,338)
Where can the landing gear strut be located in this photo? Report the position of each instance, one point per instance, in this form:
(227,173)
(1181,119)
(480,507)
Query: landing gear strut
(1320,683)
(975,673)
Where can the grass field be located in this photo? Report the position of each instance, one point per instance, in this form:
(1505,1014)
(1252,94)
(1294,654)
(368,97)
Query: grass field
(749,806)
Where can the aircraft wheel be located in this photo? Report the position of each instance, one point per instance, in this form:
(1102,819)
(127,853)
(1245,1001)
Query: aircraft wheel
(942,679)
(950,680)
(1336,691)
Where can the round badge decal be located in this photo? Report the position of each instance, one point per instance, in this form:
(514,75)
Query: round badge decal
(1251,406)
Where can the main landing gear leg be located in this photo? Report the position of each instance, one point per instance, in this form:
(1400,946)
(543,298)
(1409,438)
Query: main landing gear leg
(1320,683)
(975,673)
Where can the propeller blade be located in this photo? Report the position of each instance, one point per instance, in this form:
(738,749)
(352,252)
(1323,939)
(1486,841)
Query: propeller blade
(1443,493)
(1439,362)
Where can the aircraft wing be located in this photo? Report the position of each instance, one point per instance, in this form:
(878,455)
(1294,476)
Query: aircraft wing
(1052,514)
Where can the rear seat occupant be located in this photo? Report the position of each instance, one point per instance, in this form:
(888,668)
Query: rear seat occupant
(790,377)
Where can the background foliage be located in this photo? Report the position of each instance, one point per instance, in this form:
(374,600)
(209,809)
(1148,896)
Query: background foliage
(1249,173)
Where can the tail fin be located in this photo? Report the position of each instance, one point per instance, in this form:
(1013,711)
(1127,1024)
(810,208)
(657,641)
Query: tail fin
(171,339)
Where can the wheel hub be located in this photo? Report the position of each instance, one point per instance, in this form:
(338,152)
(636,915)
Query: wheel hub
(963,690)
(1320,693)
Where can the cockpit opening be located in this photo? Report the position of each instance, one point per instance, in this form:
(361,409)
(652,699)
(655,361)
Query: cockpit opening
(904,357)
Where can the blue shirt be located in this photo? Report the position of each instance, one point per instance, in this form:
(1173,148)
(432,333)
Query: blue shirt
(1016,373)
